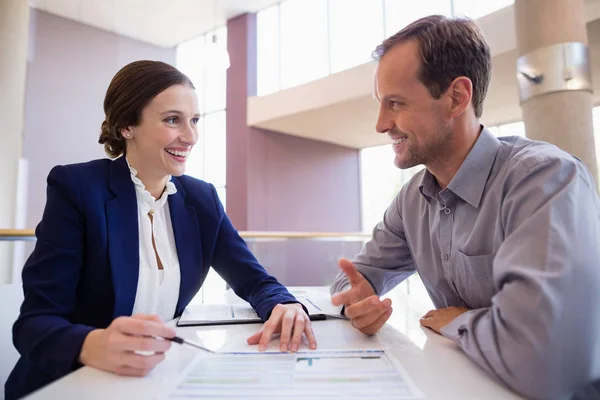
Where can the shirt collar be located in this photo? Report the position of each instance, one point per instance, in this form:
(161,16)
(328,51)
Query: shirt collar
(428,186)
(469,181)
(145,195)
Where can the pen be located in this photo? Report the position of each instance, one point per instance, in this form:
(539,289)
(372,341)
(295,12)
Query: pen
(181,340)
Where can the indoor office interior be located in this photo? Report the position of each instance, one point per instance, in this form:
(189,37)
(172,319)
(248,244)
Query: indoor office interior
(287,126)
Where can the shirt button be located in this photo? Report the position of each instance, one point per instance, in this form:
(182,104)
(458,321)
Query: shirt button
(151,212)
(446,258)
(447,210)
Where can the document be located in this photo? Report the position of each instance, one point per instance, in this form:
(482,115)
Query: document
(334,374)
(240,312)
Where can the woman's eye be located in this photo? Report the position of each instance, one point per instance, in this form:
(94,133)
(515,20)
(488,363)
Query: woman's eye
(195,121)
(171,120)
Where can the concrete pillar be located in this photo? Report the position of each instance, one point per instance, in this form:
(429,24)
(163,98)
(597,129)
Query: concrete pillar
(14,31)
(562,117)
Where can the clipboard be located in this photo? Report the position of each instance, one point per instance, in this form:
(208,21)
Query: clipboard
(231,314)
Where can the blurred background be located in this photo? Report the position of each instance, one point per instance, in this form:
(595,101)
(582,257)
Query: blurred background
(285,87)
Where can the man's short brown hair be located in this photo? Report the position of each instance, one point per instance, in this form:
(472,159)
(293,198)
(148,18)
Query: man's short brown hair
(449,48)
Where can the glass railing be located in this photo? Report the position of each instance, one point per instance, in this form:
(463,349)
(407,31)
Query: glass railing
(15,246)
(294,258)
(17,235)
(303,258)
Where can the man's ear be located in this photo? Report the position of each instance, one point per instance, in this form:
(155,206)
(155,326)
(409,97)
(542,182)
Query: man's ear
(461,93)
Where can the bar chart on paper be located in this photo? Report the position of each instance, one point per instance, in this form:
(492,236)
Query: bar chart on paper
(338,374)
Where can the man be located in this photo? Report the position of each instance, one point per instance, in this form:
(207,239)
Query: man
(505,233)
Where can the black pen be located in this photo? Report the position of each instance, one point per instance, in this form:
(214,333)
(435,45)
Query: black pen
(181,340)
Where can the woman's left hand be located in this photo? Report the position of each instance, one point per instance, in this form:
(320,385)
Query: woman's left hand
(291,321)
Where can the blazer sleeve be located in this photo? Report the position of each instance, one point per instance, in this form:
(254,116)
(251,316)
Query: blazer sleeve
(236,264)
(43,333)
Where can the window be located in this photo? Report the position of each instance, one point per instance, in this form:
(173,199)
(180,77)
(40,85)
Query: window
(493,130)
(477,8)
(207,160)
(221,194)
(215,148)
(299,41)
(189,61)
(304,47)
(268,55)
(514,129)
(380,182)
(215,83)
(400,13)
(355,28)
(195,161)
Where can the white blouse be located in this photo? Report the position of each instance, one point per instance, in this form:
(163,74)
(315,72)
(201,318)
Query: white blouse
(157,290)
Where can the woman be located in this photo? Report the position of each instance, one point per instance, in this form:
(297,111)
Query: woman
(125,244)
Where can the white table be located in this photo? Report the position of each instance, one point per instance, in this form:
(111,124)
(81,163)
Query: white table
(435,364)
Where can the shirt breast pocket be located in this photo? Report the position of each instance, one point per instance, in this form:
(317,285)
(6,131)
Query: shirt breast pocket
(473,278)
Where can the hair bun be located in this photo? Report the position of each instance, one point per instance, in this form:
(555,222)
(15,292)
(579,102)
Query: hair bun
(114,144)
(104,132)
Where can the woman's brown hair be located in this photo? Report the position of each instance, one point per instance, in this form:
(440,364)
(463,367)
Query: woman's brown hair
(130,90)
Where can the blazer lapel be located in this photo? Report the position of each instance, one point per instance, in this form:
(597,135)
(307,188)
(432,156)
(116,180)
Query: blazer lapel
(123,237)
(189,245)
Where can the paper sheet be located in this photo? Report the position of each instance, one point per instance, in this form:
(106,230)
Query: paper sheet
(334,374)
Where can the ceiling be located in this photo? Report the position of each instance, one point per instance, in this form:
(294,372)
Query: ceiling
(159,22)
(340,108)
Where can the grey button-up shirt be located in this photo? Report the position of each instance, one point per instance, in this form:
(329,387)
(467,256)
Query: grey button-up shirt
(515,237)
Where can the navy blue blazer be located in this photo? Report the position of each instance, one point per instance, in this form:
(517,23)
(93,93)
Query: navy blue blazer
(84,270)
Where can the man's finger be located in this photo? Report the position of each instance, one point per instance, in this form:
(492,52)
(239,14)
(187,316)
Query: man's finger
(374,327)
(370,318)
(428,322)
(430,313)
(351,272)
(371,304)
(346,297)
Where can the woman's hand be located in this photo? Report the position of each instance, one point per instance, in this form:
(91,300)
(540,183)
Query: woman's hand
(114,349)
(291,321)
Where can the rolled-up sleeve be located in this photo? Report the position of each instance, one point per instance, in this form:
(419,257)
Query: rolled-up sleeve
(385,260)
(541,335)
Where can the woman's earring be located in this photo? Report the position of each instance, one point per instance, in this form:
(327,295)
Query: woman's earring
(127,135)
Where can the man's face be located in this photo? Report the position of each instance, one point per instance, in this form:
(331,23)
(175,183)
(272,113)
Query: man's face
(418,124)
